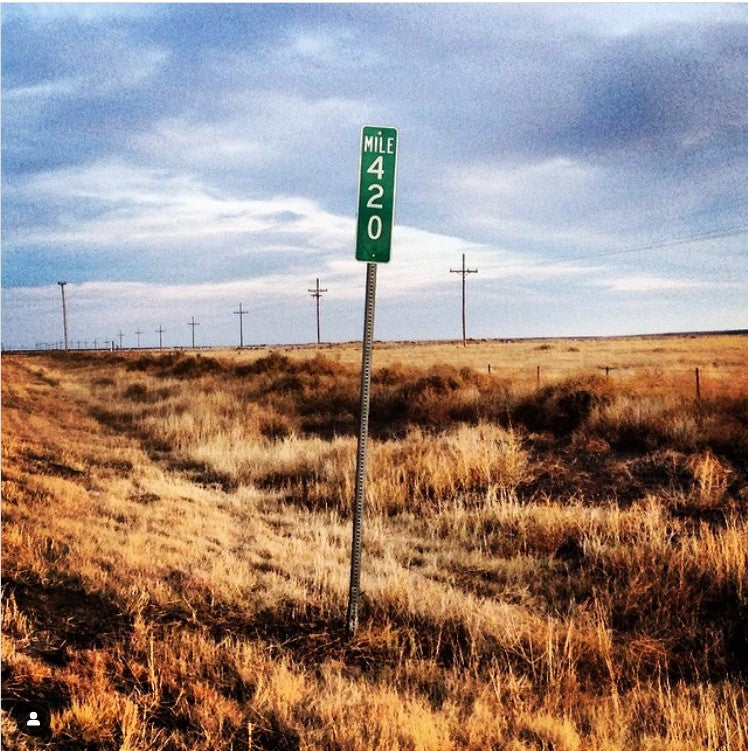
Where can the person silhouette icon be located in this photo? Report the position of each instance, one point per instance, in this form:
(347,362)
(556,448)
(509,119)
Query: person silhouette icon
(31,717)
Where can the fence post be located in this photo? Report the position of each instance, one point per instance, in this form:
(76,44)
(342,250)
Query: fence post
(607,371)
(489,368)
(537,376)
(698,385)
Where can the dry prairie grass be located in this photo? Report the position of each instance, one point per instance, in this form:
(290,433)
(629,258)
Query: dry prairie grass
(557,568)
(658,363)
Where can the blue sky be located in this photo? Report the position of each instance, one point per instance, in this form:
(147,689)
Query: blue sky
(175,160)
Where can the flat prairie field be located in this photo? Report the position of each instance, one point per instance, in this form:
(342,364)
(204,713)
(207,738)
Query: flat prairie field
(719,357)
(555,548)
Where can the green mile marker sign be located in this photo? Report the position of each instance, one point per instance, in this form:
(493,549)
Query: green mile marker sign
(376,194)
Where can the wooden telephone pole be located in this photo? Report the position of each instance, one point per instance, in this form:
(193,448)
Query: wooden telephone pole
(160,331)
(317,292)
(464,273)
(241,313)
(64,313)
(193,323)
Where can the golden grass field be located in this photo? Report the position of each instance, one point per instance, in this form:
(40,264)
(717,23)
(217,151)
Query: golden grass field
(552,567)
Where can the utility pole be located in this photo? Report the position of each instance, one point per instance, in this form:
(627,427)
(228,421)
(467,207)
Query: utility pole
(64,313)
(120,339)
(138,333)
(241,313)
(193,323)
(464,272)
(160,331)
(317,293)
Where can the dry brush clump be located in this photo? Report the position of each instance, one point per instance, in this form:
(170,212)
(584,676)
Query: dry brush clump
(421,471)
(277,396)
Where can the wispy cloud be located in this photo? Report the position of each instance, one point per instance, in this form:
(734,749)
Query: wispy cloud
(200,143)
(645,283)
(85,13)
(117,204)
(44,90)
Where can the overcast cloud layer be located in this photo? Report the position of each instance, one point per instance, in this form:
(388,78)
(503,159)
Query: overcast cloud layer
(171,161)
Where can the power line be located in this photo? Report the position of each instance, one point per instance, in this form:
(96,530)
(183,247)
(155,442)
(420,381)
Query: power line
(713,235)
(659,216)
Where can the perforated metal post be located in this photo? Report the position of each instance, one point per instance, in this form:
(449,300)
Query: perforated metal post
(363,433)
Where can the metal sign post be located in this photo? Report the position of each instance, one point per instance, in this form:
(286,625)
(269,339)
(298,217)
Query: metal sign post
(376,204)
(358,503)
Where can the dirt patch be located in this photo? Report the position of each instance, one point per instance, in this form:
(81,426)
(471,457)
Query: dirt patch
(37,461)
(69,616)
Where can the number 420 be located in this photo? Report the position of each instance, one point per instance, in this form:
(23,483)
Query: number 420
(374,227)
